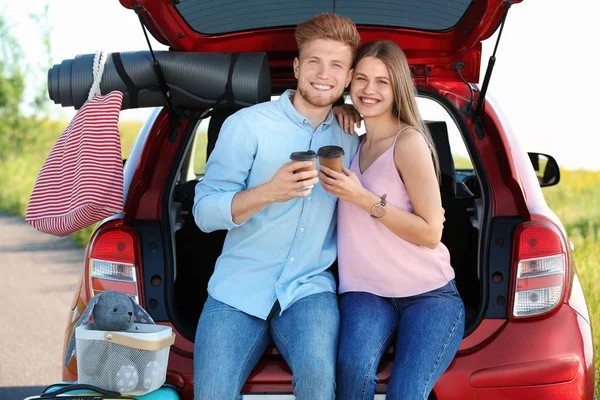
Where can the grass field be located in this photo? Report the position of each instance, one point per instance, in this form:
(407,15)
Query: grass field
(576,201)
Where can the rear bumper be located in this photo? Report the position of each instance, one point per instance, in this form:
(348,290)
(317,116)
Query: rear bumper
(550,359)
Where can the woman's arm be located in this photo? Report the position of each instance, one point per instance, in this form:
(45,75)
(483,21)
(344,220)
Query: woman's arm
(413,159)
(347,117)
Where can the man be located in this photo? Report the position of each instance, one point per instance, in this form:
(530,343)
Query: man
(271,280)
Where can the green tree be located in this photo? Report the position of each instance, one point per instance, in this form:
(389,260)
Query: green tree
(12,87)
(41,102)
(19,130)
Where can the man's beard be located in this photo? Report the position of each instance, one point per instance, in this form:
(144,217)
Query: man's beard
(317,101)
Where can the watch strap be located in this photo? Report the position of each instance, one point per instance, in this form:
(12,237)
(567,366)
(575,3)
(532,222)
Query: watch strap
(383,202)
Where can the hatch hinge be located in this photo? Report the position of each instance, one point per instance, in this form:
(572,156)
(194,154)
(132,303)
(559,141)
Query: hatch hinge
(421,72)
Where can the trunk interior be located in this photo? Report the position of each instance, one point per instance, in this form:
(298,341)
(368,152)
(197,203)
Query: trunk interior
(195,252)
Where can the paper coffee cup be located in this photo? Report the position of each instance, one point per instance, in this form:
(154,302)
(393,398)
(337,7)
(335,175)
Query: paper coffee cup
(331,157)
(300,156)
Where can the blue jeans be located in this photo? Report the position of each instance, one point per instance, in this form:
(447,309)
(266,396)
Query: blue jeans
(428,327)
(229,343)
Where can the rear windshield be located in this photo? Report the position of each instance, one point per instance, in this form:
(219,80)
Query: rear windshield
(214,17)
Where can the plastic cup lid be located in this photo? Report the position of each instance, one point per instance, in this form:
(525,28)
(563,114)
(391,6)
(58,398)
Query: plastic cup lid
(331,152)
(303,155)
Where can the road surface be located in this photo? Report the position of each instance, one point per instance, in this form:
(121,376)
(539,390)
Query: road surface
(39,274)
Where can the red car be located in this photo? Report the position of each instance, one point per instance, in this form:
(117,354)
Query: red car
(528,333)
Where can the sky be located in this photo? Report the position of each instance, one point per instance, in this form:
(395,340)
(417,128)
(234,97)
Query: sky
(545,79)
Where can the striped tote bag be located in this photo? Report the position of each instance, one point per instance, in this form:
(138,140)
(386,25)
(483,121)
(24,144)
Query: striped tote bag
(81,181)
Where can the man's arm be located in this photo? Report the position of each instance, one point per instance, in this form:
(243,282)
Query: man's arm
(222,200)
(248,202)
(226,172)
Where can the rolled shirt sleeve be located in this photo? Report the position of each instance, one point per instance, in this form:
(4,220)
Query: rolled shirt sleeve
(226,174)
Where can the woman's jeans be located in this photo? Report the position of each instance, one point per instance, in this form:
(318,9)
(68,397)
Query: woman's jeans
(428,327)
(229,343)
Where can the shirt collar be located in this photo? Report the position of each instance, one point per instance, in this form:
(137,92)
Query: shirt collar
(293,114)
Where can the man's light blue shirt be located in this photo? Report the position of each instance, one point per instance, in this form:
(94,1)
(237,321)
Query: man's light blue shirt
(282,252)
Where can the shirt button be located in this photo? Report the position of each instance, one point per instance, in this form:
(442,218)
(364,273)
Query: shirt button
(301,229)
(292,259)
(308,198)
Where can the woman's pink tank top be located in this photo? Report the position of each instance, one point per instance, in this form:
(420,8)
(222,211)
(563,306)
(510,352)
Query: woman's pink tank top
(371,258)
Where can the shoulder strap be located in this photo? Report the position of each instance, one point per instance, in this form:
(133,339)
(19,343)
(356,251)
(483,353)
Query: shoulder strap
(415,128)
(400,131)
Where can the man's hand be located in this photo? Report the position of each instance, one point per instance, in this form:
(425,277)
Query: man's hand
(347,117)
(290,183)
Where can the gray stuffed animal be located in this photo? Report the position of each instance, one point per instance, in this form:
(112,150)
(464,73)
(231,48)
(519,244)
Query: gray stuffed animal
(112,311)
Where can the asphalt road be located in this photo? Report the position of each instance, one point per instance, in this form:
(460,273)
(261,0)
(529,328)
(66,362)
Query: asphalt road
(39,274)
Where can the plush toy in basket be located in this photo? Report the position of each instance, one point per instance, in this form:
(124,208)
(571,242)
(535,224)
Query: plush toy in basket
(123,350)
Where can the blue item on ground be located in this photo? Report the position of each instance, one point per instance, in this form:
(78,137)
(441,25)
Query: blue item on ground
(166,392)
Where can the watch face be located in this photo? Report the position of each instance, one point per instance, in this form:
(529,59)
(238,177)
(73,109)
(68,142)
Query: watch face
(378,211)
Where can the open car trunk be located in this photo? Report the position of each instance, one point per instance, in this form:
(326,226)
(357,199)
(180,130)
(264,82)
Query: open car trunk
(195,252)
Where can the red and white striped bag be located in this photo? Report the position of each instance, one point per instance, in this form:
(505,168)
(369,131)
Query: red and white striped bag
(81,181)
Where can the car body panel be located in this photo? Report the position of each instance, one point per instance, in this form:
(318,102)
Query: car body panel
(519,358)
(549,357)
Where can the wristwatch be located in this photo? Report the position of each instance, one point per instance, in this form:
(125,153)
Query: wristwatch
(378,210)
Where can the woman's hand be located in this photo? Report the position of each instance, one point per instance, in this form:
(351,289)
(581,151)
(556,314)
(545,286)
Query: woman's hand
(347,117)
(345,186)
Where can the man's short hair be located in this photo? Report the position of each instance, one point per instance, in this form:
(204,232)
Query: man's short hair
(328,26)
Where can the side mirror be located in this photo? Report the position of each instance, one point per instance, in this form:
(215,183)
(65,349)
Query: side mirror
(546,169)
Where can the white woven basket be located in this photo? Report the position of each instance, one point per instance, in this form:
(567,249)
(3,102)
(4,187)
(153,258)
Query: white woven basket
(131,362)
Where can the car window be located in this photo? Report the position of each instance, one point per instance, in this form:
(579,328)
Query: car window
(200,144)
(431,110)
(216,17)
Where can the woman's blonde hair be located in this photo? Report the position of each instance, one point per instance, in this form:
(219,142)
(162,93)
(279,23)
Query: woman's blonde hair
(405,104)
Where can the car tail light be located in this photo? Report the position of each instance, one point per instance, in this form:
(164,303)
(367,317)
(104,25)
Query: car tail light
(541,265)
(113,262)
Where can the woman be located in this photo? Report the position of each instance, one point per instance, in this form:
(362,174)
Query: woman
(396,281)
